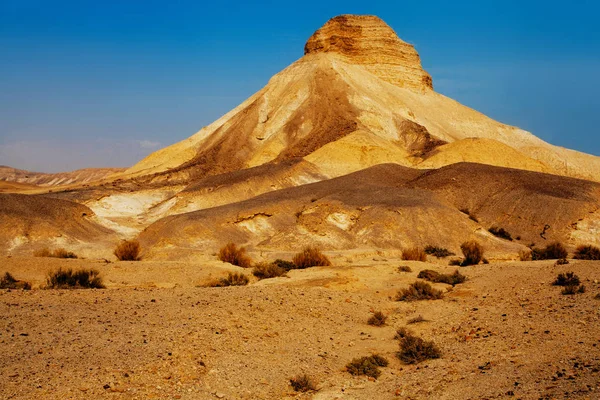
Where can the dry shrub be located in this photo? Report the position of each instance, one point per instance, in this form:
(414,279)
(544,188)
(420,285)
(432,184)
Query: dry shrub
(438,252)
(286,265)
(231,254)
(377,319)
(500,232)
(266,270)
(404,268)
(419,291)
(414,349)
(232,279)
(562,261)
(45,252)
(472,251)
(128,250)
(57,253)
(414,254)
(554,251)
(455,263)
(573,289)
(310,257)
(525,255)
(567,279)
(587,253)
(78,279)
(9,282)
(368,366)
(471,216)
(302,383)
(451,279)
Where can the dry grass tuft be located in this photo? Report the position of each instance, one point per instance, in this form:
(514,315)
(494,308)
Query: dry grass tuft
(472,251)
(302,383)
(128,250)
(231,254)
(377,319)
(419,291)
(451,279)
(310,257)
(500,232)
(587,253)
(267,270)
(9,282)
(78,279)
(404,268)
(573,289)
(525,255)
(414,254)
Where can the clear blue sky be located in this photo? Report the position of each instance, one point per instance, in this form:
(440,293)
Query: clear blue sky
(103,83)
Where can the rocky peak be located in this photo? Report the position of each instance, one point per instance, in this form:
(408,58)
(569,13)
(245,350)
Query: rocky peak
(368,41)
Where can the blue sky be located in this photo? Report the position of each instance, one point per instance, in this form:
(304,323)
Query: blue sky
(104,83)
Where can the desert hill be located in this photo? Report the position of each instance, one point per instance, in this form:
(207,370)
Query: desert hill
(80,176)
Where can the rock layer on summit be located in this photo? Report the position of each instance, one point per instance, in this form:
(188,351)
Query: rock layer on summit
(368,41)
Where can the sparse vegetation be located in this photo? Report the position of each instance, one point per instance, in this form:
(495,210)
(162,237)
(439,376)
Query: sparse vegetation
(472,251)
(287,265)
(310,257)
(500,232)
(368,366)
(414,349)
(566,279)
(10,282)
(573,289)
(231,254)
(377,319)
(232,279)
(128,250)
(438,252)
(302,383)
(587,253)
(414,254)
(74,279)
(433,276)
(267,270)
(554,251)
(525,255)
(419,291)
(562,261)
(404,268)
(57,253)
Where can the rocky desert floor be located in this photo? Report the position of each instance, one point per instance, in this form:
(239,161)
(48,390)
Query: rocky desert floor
(155,333)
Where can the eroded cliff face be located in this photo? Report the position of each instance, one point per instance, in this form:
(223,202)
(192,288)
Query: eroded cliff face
(368,41)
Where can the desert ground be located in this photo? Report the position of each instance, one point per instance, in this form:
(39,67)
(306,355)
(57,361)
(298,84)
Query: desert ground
(155,332)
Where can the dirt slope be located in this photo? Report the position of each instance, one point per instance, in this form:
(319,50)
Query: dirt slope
(80,176)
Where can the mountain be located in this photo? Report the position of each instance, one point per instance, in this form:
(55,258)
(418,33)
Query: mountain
(349,147)
(87,175)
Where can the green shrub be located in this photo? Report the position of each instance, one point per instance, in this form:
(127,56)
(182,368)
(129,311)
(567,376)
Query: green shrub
(587,253)
(267,270)
(9,282)
(78,279)
(554,251)
(472,251)
(128,250)
(500,232)
(302,383)
(377,319)
(414,254)
(232,255)
(438,252)
(368,366)
(310,257)
(419,291)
